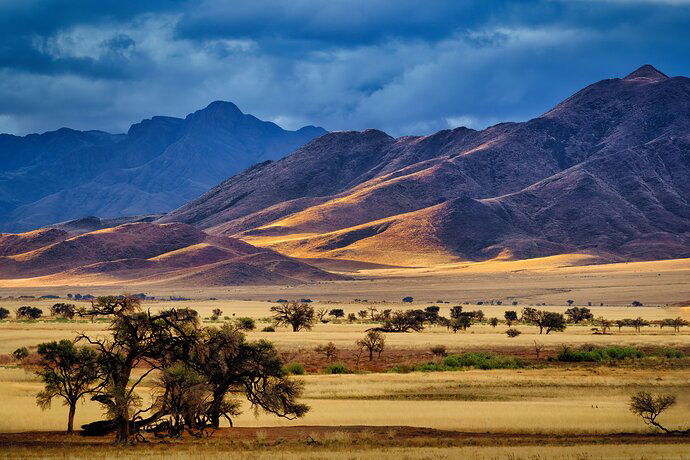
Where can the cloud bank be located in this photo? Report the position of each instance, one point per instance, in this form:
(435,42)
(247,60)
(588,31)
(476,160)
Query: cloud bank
(406,67)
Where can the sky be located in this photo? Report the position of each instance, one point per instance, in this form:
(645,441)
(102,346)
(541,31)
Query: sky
(406,67)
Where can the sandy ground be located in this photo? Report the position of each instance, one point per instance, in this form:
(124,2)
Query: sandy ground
(552,280)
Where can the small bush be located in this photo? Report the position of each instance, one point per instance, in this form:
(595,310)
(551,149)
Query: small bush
(464,360)
(482,361)
(667,353)
(439,350)
(598,354)
(512,332)
(337,368)
(20,353)
(295,369)
(268,329)
(246,324)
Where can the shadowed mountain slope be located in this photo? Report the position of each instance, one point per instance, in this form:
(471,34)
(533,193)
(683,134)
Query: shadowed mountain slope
(603,172)
(147,253)
(157,166)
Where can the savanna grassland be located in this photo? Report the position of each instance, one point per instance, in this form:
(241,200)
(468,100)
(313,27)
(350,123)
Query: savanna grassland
(407,402)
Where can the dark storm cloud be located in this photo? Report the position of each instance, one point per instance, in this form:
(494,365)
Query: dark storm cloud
(408,67)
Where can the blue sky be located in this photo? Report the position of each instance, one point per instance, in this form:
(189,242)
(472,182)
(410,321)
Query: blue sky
(407,67)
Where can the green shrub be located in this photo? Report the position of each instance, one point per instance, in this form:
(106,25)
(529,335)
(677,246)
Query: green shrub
(666,353)
(295,369)
(247,324)
(464,360)
(268,329)
(337,368)
(598,354)
(482,361)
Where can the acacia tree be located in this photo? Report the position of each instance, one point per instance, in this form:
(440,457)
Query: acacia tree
(579,314)
(404,321)
(229,364)
(64,310)
(605,324)
(68,372)
(27,312)
(321,313)
(374,342)
(678,323)
(138,338)
(550,321)
(297,315)
(638,322)
(649,407)
(510,317)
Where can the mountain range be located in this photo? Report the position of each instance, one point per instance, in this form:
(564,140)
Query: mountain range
(603,173)
(160,164)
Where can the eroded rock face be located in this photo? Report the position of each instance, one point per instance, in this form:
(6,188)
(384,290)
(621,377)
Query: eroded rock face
(606,171)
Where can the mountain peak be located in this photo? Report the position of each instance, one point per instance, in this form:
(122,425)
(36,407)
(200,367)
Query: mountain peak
(647,71)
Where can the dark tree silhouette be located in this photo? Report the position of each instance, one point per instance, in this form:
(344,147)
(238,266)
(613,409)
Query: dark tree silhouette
(297,315)
(650,407)
(230,364)
(579,314)
(69,373)
(374,342)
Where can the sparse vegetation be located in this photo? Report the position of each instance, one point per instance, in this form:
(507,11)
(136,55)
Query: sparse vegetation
(374,342)
(28,313)
(293,314)
(69,373)
(512,332)
(650,407)
(330,351)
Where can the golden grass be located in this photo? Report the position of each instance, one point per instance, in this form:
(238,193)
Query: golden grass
(15,334)
(344,452)
(506,401)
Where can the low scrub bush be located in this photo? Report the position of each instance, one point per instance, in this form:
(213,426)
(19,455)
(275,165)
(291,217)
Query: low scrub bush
(598,354)
(337,368)
(666,353)
(268,329)
(483,361)
(464,360)
(512,332)
(295,369)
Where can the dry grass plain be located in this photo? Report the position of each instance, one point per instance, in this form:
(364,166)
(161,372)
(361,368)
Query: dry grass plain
(564,411)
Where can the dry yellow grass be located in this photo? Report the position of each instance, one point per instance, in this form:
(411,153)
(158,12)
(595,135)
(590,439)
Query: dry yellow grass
(200,451)
(15,334)
(507,401)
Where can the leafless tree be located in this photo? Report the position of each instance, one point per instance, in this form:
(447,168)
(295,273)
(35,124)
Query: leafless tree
(649,407)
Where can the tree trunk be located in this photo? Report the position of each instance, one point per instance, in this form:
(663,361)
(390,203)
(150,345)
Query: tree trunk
(371,354)
(70,417)
(218,396)
(122,435)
